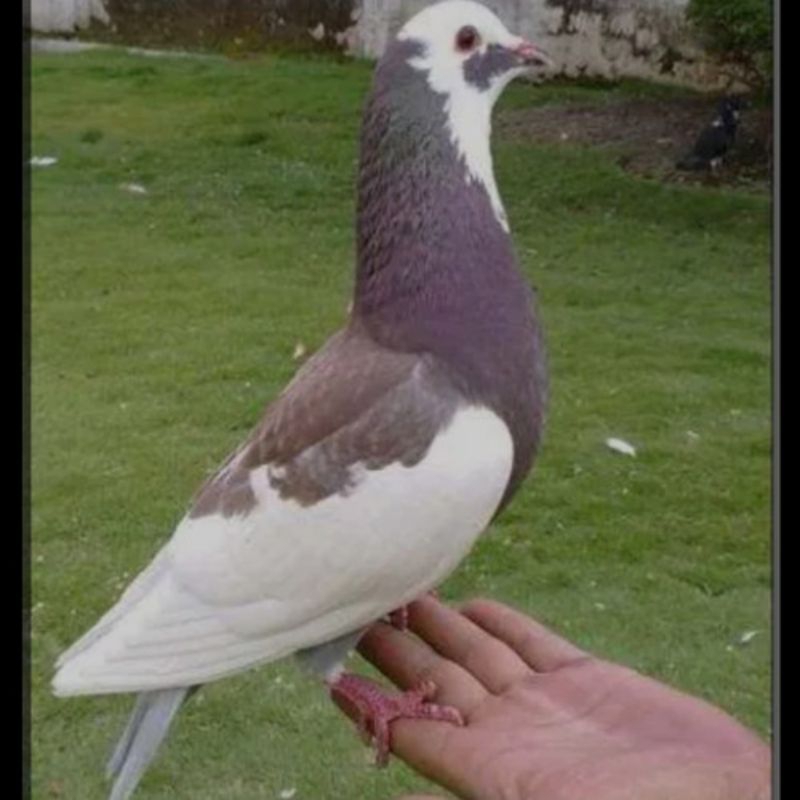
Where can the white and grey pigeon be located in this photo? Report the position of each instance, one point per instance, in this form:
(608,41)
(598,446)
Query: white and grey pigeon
(371,476)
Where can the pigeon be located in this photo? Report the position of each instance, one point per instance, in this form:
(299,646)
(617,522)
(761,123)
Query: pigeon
(716,139)
(371,476)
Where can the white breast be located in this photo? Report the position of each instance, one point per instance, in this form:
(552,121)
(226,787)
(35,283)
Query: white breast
(236,591)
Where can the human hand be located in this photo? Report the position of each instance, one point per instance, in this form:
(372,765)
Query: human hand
(546,721)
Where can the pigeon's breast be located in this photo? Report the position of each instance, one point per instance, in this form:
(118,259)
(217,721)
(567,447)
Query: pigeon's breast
(396,532)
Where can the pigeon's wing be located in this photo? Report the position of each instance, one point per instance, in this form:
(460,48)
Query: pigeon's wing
(367,481)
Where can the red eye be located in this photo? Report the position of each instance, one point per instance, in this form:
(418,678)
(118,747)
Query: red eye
(467,39)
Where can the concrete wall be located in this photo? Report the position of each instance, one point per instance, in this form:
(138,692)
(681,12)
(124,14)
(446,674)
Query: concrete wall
(65,16)
(611,39)
(593,38)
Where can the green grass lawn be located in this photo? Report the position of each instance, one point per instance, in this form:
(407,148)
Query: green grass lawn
(163,322)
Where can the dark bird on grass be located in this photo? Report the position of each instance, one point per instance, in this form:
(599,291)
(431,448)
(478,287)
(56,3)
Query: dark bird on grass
(372,475)
(716,139)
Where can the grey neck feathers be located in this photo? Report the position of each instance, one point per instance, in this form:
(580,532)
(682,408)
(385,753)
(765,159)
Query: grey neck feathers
(428,241)
(436,272)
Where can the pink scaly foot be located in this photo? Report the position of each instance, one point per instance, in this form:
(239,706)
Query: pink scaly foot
(377,709)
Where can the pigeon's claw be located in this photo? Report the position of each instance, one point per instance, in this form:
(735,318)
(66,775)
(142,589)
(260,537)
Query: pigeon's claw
(399,617)
(377,709)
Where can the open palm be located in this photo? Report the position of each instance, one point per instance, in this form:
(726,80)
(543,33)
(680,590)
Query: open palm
(544,720)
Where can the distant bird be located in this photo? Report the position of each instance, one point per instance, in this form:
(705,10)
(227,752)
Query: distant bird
(716,139)
(371,476)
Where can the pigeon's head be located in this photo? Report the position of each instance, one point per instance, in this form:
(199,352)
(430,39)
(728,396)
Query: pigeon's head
(466,49)
(432,99)
(731,107)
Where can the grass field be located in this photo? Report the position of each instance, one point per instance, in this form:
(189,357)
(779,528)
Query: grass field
(163,322)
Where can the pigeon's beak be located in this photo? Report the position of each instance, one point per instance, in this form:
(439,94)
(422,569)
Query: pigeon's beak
(530,55)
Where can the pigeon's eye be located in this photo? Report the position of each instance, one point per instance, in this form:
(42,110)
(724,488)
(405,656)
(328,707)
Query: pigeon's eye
(467,39)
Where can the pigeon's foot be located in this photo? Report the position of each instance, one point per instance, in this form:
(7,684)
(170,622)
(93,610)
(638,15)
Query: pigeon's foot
(399,617)
(377,709)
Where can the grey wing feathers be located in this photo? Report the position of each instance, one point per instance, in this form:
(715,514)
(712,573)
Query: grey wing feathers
(333,403)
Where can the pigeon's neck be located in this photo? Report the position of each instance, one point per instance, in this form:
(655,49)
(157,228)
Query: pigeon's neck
(436,272)
(431,230)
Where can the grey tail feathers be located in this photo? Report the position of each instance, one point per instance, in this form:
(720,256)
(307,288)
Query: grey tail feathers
(146,729)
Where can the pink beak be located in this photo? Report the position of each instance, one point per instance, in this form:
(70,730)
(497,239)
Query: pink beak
(530,54)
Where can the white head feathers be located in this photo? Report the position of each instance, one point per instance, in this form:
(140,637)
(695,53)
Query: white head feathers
(457,35)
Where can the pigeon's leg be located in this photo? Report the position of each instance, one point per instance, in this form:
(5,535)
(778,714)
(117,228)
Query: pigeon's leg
(377,709)
(399,617)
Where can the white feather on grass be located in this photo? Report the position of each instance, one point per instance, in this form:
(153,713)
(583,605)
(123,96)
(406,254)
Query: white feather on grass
(620,446)
(133,188)
(299,352)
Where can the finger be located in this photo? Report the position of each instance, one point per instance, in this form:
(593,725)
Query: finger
(460,640)
(408,662)
(539,647)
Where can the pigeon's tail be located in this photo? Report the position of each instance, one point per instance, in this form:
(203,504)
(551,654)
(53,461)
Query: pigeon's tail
(692,162)
(146,729)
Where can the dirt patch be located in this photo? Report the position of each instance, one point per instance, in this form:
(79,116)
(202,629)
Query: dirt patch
(649,136)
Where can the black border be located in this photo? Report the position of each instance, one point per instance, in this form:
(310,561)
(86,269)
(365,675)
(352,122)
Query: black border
(22,63)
